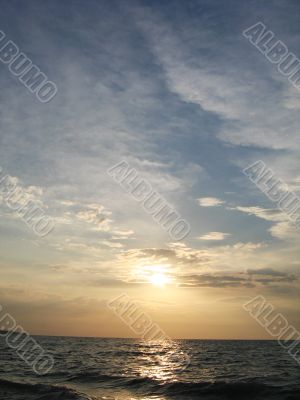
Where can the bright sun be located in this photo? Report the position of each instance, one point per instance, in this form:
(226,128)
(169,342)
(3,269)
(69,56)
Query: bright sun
(159,279)
(155,274)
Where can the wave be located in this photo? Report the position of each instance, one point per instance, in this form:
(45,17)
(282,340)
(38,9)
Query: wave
(146,386)
(233,390)
(246,390)
(40,391)
(89,377)
(249,390)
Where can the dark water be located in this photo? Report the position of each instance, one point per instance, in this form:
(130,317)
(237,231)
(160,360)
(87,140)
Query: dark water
(87,368)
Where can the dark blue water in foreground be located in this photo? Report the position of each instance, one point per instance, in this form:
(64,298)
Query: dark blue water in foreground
(87,368)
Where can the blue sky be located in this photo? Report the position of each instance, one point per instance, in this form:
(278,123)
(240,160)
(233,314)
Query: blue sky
(174,89)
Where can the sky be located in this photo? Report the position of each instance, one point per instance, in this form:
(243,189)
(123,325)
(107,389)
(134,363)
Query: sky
(176,91)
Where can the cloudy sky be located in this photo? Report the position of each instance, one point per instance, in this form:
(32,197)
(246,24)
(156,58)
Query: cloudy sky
(175,90)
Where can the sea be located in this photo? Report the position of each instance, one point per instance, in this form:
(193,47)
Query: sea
(111,369)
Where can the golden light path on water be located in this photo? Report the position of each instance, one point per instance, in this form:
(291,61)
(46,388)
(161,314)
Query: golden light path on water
(161,361)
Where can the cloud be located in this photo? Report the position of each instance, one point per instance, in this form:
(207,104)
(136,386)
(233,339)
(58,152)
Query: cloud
(11,186)
(122,234)
(265,271)
(250,279)
(113,283)
(226,81)
(267,214)
(215,281)
(285,230)
(166,89)
(113,245)
(180,257)
(283,227)
(214,236)
(67,203)
(209,202)
(96,214)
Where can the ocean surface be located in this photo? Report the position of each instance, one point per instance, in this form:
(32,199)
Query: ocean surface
(92,368)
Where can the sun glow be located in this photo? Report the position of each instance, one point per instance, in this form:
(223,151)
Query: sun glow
(159,279)
(157,275)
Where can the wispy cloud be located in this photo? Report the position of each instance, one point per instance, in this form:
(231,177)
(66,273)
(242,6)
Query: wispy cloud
(214,236)
(249,279)
(188,104)
(209,202)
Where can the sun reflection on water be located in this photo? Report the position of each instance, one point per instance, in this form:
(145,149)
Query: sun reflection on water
(160,361)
